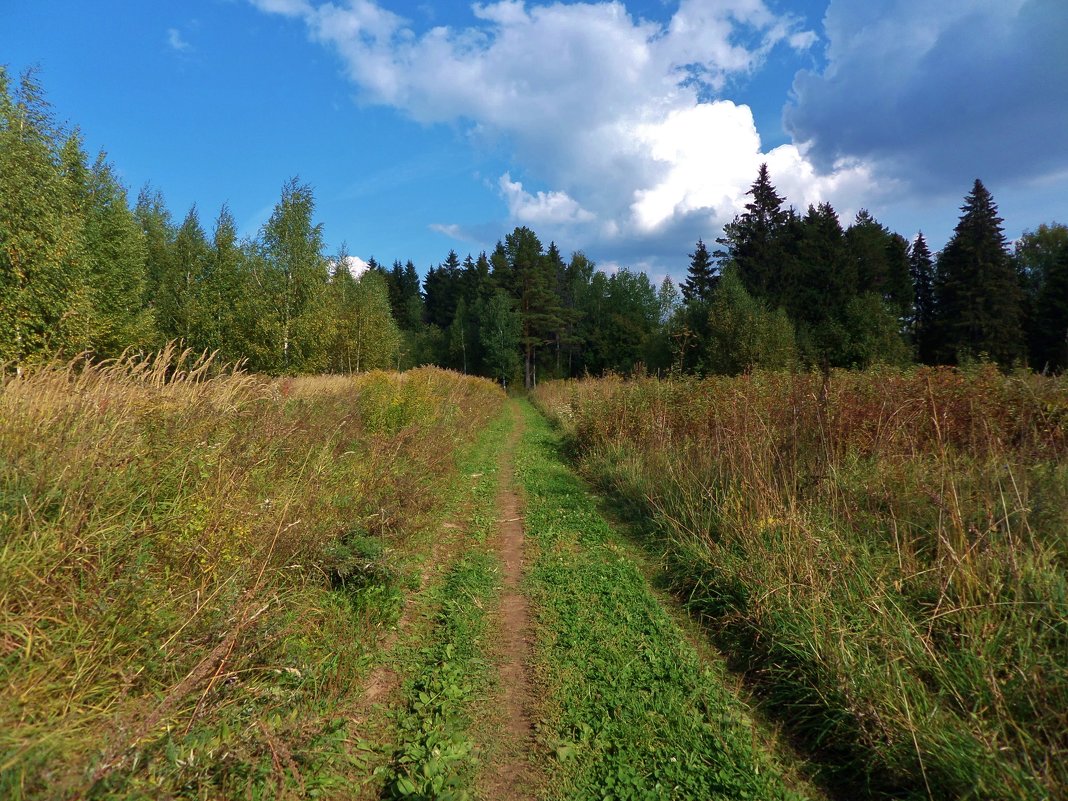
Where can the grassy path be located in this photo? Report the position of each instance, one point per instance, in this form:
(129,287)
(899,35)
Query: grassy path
(628,709)
(536,661)
(509,773)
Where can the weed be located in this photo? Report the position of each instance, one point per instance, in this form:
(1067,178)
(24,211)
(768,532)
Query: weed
(883,553)
(195,565)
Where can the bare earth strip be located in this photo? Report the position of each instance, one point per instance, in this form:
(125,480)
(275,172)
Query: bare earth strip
(508,773)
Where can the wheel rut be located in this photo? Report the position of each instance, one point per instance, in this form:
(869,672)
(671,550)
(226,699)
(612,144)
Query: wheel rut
(509,774)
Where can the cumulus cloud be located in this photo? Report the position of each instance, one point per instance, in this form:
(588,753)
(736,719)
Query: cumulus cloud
(356,265)
(940,92)
(617,119)
(544,208)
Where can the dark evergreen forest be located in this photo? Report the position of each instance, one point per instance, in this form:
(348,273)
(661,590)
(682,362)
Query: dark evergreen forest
(83,269)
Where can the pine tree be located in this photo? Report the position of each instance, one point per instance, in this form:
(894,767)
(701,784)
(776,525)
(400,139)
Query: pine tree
(700,276)
(532,279)
(977,291)
(921,270)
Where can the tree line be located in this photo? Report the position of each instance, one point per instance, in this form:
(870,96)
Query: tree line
(84,270)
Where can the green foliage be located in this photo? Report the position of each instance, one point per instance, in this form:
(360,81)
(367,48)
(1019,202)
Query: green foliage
(743,335)
(43,294)
(882,552)
(977,292)
(500,333)
(1042,261)
(921,269)
(630,710)
(205,617)
(700,276)
(81,272)
(298,274)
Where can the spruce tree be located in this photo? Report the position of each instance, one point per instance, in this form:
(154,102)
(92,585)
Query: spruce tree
(700,275)
(825,281)
(879,260)
(1048,252)
(754,240)
(977,292)
(921,270)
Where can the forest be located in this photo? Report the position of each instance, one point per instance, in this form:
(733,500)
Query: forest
(86,269)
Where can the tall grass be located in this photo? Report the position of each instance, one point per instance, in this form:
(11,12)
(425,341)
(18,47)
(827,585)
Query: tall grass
(885,553)
(193,564)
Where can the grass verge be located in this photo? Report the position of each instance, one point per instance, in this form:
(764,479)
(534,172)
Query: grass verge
(196,567)
(882,553)
(628,709)
(428,750)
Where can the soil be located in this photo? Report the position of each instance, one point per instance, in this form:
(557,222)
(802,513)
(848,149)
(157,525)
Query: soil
(508,773)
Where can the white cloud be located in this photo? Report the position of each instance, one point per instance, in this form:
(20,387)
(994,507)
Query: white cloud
(290,8)
(449,229)
(614,117)
(544,208)
(175,40)
(356,265)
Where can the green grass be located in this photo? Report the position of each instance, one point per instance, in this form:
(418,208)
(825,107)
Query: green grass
(426,749)
(629,709)
(196,571)
(882,554)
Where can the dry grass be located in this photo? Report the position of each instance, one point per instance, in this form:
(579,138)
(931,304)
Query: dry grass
(884,553)
(194,563)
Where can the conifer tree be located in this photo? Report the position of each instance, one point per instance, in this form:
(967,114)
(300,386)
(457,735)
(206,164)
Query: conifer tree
(532,279)
(921,270)
(1042,258)
(700,276)
(879,259)
(824,282)
(977,291)
(754,240)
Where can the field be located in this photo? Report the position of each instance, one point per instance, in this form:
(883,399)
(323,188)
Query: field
(398,585)
(882,554)
(195,565)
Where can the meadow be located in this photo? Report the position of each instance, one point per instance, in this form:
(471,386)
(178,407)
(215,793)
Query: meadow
(882,554)
(197,565)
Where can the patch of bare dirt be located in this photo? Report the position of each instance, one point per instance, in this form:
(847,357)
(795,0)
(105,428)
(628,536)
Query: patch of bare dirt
(508,773)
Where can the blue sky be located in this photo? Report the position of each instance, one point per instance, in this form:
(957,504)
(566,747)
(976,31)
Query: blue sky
(624,129)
